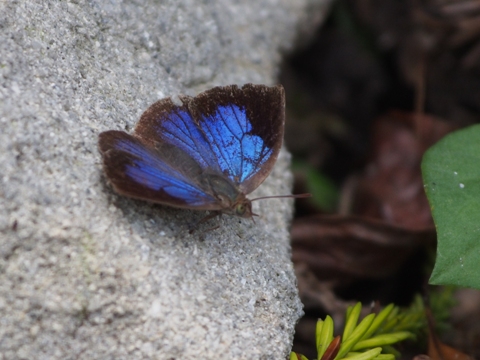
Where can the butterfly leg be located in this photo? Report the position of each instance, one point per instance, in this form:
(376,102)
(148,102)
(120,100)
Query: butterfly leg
(212,215)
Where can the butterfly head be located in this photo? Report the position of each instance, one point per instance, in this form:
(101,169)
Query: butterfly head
(243,208)
(239,206)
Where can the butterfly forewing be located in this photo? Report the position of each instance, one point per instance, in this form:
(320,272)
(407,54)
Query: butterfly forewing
(137,170)
(236,131)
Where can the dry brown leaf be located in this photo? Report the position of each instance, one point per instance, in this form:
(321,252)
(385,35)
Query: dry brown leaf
(391,186)
(345,248)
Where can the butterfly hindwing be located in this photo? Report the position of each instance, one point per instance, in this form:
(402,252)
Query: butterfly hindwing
(164,175)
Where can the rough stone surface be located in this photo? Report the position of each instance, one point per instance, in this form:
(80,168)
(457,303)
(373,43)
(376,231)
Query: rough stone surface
(88,274)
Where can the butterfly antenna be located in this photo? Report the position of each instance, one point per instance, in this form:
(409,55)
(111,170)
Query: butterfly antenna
(297,196)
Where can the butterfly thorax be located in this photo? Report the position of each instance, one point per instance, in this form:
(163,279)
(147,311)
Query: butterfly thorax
(231,200)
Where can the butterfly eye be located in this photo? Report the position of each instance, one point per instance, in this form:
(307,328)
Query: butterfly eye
(240,209)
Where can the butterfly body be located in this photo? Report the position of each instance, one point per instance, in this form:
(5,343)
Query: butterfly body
(206,153)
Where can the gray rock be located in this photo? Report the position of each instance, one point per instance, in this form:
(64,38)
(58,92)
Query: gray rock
(88,274)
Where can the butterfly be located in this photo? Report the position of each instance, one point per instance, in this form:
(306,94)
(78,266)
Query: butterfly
(204,153)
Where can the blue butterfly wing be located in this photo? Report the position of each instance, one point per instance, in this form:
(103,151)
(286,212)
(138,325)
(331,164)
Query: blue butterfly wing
(234,132)
(139,170)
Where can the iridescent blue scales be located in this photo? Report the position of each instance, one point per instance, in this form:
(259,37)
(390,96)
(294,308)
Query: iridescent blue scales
(206,153)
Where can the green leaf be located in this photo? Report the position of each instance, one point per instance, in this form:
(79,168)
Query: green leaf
(297,356)
(379,319)
(385,357)
(382,340)
(349,342)
(367,355)
(451,175)
(353,313)
(324,335)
